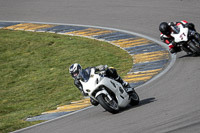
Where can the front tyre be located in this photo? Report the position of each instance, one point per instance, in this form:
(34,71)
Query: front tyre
(110,106)
(134,99)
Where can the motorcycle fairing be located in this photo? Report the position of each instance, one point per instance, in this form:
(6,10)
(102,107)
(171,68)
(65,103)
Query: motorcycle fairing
(182,35)
(96,82)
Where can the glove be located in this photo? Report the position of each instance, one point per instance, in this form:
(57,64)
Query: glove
(173,43)
(102,72)
(172,51)
(101,67)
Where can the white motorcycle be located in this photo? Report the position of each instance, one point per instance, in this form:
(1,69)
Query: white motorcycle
(109,93)
(184,40)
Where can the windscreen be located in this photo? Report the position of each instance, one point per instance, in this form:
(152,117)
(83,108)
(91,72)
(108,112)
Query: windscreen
(85,75)
(176,29)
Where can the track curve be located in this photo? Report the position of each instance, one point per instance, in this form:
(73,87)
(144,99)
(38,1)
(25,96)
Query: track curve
(168,104)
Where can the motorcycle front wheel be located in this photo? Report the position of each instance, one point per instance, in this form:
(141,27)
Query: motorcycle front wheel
(110,106)
(134,98)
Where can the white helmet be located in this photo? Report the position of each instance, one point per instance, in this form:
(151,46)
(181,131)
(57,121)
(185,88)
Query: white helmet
(75,70)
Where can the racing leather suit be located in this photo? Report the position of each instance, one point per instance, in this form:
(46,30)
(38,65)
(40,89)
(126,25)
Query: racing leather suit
(169,40)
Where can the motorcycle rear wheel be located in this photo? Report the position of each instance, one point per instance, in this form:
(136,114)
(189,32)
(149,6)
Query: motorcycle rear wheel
(194,48)
(110,106)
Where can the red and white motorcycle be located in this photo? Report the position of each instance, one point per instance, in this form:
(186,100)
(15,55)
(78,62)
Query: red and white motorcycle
(109,93)
(184,40)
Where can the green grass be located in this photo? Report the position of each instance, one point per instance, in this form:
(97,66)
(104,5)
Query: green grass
(34,74)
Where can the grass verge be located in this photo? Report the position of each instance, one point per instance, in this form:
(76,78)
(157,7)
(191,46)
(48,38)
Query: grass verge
(34,72)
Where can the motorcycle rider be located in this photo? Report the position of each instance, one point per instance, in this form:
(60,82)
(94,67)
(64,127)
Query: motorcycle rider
(77,74)
(167,28)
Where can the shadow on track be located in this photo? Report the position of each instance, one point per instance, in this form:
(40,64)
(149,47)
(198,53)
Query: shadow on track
(147,101)
(142,102)
(188,55)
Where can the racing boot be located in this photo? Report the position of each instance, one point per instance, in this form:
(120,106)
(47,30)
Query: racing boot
(93,102)
(125,84)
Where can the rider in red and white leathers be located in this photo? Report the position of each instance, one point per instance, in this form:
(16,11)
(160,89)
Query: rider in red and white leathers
(166,30)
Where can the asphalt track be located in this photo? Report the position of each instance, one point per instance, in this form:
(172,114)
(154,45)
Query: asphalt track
(168,104)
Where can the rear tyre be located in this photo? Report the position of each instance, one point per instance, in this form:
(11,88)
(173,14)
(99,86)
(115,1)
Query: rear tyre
(110,106)
(194,48)
(134,98)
